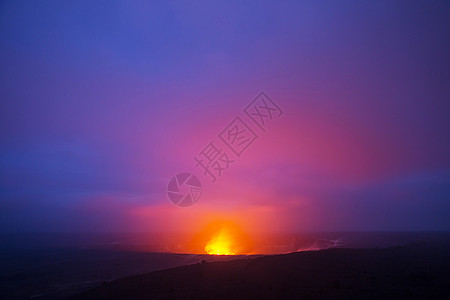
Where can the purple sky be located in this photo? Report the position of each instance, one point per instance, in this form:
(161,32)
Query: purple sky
(102,102)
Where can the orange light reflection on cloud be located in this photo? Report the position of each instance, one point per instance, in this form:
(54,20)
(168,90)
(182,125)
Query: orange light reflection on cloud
(198,225)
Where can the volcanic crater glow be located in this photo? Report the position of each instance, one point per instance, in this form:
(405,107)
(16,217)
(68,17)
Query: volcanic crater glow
(221,244)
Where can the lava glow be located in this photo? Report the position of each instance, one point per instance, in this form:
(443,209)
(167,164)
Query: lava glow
(221,244)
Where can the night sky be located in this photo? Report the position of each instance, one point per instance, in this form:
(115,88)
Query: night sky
(102,102)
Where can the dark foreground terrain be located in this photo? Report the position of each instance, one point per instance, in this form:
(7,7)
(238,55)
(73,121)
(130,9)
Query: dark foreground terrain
(420,271)
(59,274)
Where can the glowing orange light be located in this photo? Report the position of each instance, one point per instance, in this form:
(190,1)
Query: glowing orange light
(221,243)
(221,237)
